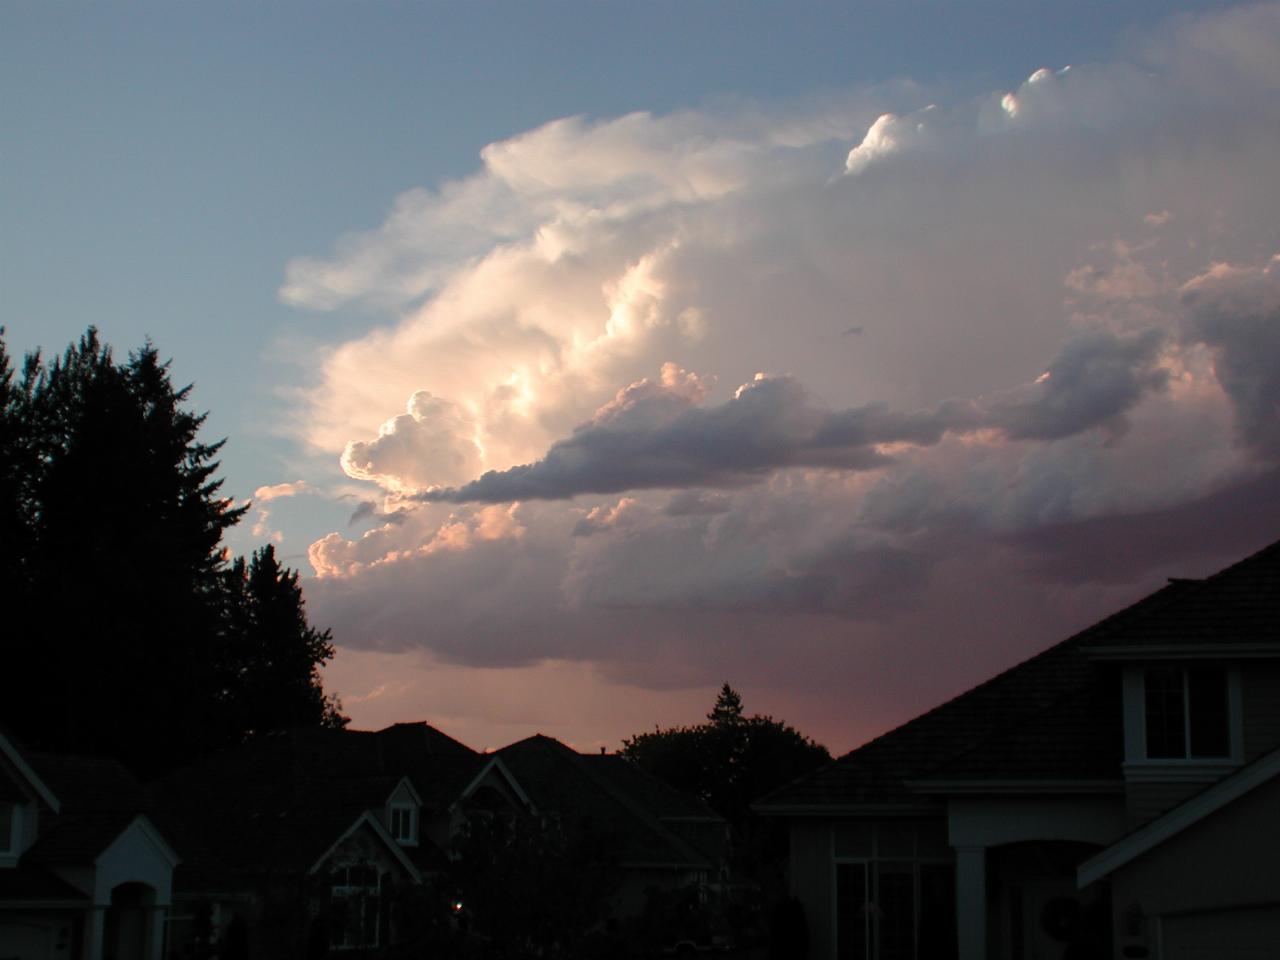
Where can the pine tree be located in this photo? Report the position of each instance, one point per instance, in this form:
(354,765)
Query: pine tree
(117,575)
(273,654)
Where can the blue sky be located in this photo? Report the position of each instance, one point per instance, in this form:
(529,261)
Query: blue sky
(205,174)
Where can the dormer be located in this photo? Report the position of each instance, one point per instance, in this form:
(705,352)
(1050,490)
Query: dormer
(1183,718)
(1193,714)
(403,814)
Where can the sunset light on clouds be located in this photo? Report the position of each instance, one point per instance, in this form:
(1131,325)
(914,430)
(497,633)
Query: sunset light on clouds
(852,397)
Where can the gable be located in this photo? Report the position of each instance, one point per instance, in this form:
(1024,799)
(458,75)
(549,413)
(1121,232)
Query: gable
(137,854)
(366,841)
(496,781)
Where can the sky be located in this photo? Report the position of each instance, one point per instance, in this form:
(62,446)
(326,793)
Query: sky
(585,356)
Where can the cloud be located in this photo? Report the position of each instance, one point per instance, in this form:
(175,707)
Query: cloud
(431,443)
(1069,325)
(1235,310)
(1094,380)
(653,436)
(275,491)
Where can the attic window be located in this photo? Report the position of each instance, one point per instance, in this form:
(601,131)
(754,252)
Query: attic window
(1186,711)
(402,825)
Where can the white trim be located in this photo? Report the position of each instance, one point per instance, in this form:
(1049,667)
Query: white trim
(1135,715)
(1184,651)
(1192,770)
(1181,817)
(148,830)
(47,795)
(495,764)
(1135,727)
(386,838)
(405,781)
(411,837)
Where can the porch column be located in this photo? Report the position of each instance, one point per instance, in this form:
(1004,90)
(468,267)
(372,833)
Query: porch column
(971,902)
(155,919)
(95,932)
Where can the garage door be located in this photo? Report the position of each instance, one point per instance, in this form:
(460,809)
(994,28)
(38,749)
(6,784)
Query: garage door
(1249,934)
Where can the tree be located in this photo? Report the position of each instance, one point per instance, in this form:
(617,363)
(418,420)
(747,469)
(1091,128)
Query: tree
(274,655)
(730,761)
(118,575)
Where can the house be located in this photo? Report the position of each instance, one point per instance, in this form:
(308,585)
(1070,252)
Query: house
(317,840)
(313,840)
(653,836)
(85,873)
(1114,796)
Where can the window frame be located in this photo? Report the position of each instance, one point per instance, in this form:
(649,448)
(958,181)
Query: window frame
(1134,682)
(410,813)
(871,863)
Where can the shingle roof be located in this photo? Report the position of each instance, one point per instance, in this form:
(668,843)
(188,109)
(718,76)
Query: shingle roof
(589,798)
(24,884)
(1054,716)
(659,797)
(1238,605)
(283,799)
(98,797)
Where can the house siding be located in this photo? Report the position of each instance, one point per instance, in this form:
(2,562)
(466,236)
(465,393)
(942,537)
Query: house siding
(1146,801)
(1170,880)
(1260,691)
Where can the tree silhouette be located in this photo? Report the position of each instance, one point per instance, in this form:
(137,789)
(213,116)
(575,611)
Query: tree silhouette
(731,759)
(273,654)
(118,599)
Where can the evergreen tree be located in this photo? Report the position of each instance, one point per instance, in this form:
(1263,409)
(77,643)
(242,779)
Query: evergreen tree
(273,655)
(120,624)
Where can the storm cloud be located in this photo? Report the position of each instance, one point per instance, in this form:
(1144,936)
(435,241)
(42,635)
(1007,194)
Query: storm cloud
(1003,325)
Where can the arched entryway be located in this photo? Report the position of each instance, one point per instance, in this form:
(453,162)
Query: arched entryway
(1035,909)
(127,928)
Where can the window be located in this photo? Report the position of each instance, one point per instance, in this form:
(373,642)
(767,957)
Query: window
(895,891)
(402,825)
(1186,711)
(356,902)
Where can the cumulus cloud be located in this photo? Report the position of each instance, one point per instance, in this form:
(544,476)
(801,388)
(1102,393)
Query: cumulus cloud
(431,443)
(1065,319)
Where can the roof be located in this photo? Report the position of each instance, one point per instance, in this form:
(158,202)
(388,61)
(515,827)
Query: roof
(99,798)
(605,800)
(1237,606)
(1053,717)
(284,799)
(659,797)
(25,885)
